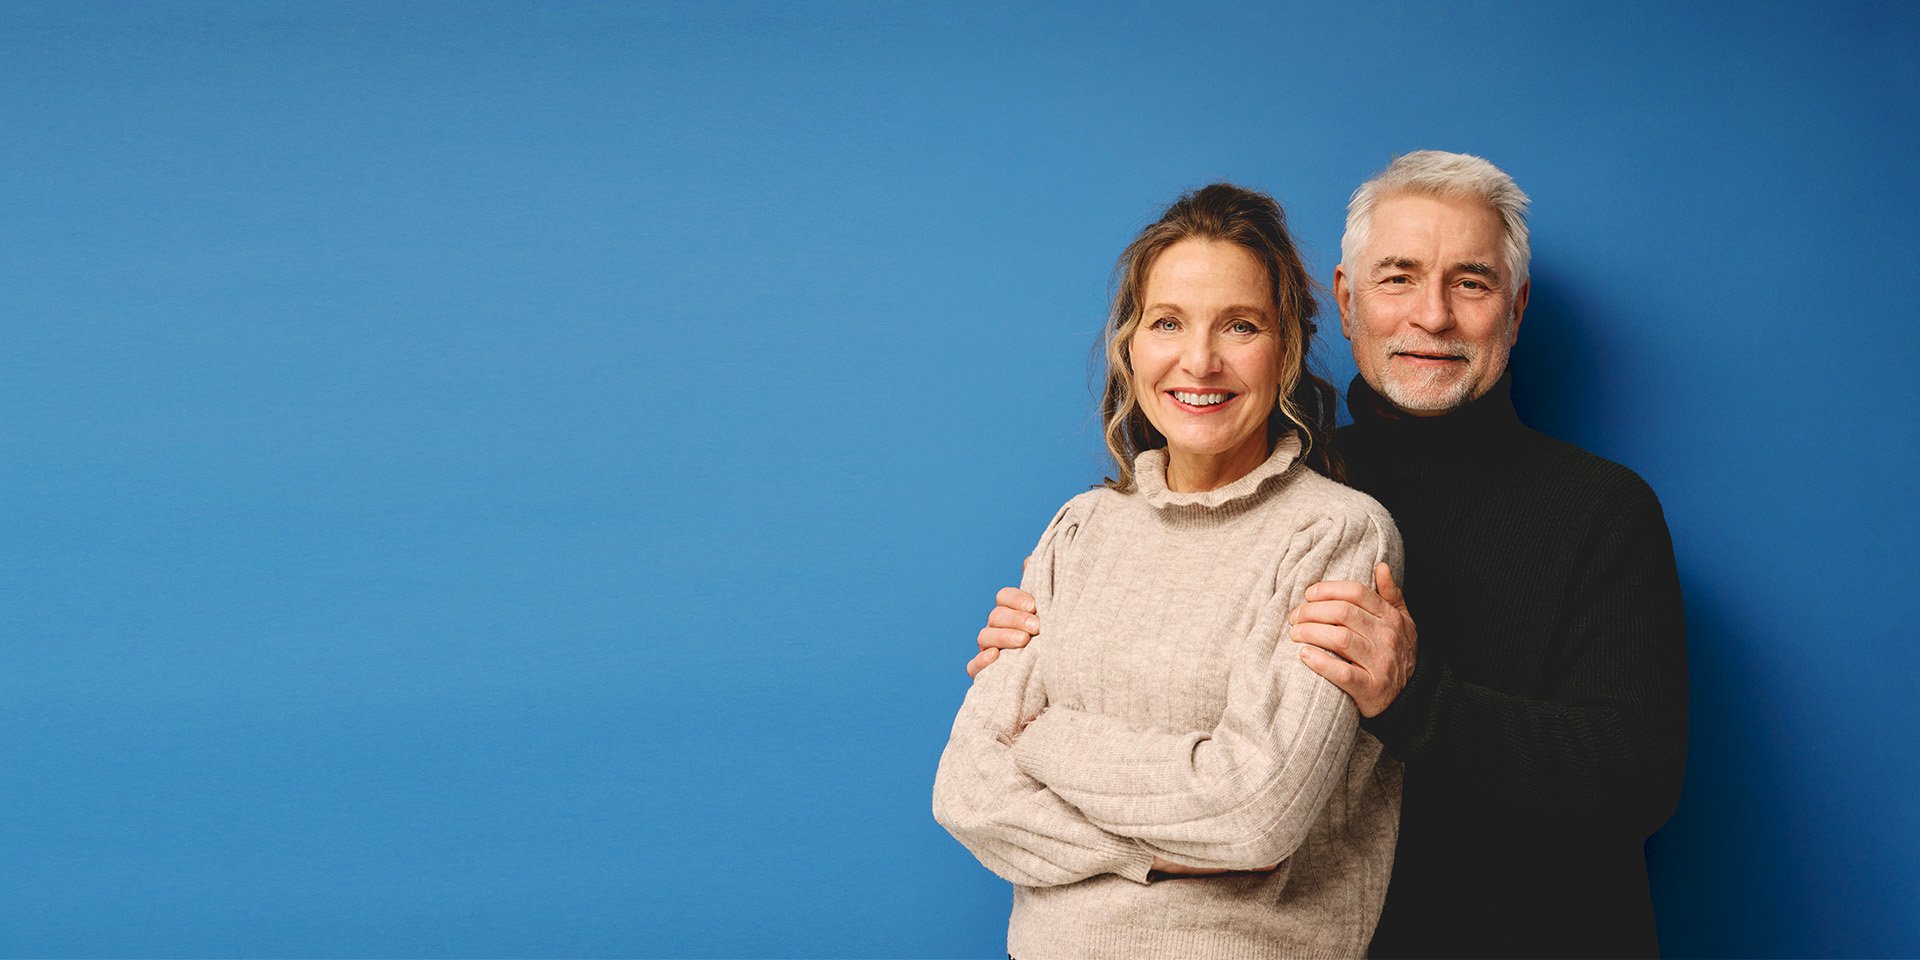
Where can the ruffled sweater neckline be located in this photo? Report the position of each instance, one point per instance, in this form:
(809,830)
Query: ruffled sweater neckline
(1150,477)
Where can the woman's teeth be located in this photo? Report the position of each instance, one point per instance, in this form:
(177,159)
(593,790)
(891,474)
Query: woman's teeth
(1200,399)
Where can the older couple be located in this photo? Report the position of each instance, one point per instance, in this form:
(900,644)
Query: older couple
(1201,752)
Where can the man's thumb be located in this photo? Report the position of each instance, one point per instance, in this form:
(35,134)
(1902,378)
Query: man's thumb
(1384,585)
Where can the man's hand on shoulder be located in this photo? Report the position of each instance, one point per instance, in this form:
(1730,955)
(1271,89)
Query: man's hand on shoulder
(1360,637)
(1009,626)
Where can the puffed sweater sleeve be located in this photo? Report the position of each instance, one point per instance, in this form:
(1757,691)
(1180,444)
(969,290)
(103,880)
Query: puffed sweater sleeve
(1014,824)
(1244,794)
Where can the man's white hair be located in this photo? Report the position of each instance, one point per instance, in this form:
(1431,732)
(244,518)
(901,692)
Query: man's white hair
(1437,173)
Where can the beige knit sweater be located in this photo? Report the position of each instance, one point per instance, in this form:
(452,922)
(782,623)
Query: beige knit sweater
(1170,716)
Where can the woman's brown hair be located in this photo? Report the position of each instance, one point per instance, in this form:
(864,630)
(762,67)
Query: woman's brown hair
(1253,221)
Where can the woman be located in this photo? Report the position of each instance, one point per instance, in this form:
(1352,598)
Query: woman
(1158,773)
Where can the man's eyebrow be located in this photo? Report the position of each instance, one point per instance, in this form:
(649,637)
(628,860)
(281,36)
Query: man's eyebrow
(1480,267)
(1397,263)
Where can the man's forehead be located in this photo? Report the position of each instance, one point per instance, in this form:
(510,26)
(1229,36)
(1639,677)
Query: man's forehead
(1409,226)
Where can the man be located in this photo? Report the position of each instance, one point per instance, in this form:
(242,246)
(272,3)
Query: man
(1540,706)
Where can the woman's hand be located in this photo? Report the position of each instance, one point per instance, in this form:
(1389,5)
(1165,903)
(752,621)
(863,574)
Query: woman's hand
(1010,625)
(1182,870)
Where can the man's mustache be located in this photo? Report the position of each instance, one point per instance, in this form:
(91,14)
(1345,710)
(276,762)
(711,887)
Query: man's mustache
(1428,345)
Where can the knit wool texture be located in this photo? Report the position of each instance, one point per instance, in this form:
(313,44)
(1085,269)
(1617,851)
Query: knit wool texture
(1544,725)
(1170,717)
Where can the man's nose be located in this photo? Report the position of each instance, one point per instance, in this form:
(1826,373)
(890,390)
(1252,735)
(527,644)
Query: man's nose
(1434,311)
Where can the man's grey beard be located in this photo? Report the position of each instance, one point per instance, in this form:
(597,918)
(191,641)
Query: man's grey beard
(1414,391)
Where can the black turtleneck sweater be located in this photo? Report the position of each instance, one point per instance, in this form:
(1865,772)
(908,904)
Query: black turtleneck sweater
(1544,726)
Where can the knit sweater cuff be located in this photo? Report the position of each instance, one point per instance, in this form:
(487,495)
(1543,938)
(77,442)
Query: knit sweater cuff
(1406,727)
(1133,860)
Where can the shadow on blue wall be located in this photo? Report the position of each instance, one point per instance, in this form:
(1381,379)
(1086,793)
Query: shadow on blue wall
(1763,859)
(1733,871)
(1557,363)
(1718,866)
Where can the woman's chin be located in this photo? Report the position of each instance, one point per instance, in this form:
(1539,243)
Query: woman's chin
(1209,446)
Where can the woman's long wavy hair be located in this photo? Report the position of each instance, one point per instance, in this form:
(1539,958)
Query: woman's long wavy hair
(1223,212)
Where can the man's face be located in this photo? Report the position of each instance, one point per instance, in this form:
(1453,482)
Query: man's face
(1430,307)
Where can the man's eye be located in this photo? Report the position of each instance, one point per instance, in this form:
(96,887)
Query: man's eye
(1473,284)
(1399,280)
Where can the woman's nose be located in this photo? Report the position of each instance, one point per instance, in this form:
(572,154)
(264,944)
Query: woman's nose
(1198,355)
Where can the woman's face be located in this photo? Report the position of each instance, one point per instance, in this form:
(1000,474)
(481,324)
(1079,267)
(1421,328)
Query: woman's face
(1206,357)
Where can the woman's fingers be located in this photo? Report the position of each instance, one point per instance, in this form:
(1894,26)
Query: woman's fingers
(1012,619)
(980,661)
(1010,624)
(1000,638)
(1016,599)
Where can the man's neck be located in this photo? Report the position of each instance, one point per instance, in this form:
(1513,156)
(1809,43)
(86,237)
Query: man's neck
(1481,430)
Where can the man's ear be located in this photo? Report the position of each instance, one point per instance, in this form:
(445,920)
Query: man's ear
(1519,308)
(1341,292)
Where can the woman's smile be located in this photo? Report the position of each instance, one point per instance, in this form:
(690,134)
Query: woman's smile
(1201,401)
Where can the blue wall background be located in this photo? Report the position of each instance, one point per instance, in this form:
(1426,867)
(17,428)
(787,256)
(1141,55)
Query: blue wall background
(523,479)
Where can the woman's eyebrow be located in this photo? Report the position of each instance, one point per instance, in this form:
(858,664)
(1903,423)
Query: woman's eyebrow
(1244,308)
(1229,308)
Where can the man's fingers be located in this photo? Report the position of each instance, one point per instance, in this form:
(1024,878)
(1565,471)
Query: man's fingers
(1340,673)
(980,661)
(1384,585)
(1342,613)
(1336,590)
(1001,638)
(1013,619)
(1015,598)
(1361,595)
(1338,640)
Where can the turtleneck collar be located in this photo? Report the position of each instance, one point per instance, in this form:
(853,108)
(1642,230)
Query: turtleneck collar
(1150,476)
(1472,433)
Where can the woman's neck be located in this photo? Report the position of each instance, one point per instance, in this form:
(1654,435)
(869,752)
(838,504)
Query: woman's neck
(1189,472)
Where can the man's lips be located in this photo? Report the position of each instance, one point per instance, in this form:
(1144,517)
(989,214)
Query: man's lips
(1422,357)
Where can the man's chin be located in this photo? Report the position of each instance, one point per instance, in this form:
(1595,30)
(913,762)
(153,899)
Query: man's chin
(1427,400)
